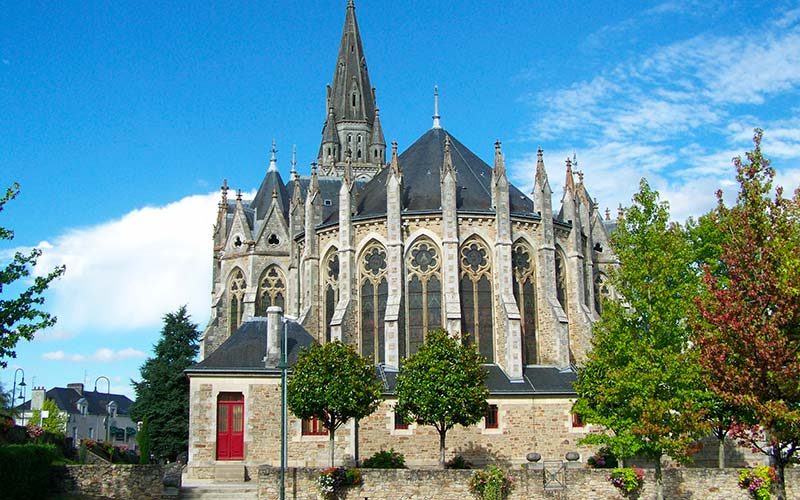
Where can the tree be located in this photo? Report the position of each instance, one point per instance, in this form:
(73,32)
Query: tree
(749,331)
(162,396)
(641,380)
(55,421)
(332,383)
(442,385)
(21,317)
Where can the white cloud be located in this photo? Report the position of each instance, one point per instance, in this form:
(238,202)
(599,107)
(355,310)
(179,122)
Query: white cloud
(127,273)
(676,115)
(103,355)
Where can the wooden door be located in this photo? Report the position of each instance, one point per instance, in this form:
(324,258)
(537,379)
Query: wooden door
(230,426)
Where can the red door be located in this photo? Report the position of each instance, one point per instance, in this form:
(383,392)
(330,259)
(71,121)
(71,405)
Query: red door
(230,426)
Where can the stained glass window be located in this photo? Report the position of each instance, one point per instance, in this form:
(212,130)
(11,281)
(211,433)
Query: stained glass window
(374,291)
(477,301)
(271,290)
(525,295)
(424,298)
(236,291)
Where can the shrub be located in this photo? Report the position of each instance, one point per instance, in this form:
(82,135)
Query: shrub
(25,470)
(457,462)
(603,459)
(491,484)
(385,460)
(628,480)
(757,481)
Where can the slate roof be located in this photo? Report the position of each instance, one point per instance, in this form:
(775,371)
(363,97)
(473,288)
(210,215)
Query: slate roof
(244,351)
(263,199)
(421,165)
(67,400)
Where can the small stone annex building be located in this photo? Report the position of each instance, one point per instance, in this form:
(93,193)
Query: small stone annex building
(376,248)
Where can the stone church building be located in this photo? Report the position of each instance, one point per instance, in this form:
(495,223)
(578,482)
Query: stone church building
(375,248)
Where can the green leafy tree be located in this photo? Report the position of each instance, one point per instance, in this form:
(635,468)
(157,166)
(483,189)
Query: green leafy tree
(641,380)
(21,317)
(749,330)
(334,384)
(442,385)
(143,438)
(55,421)
(162,396)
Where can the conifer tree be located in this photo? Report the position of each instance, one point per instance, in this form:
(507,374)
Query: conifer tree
(162,395)
(749,333)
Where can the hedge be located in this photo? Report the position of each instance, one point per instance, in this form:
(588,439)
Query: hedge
(25,470)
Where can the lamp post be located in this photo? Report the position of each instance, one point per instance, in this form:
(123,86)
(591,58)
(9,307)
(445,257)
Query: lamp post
(108,398)
(21,391)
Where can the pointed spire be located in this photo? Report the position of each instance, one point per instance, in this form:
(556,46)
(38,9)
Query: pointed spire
(436,118)
(296,198)
(273,161)
(499,162)
(378,138)
(313,188)
(569,183)
(293,173)
(352,93)
(447,164)
(541,173)
(395,163)
(224,189)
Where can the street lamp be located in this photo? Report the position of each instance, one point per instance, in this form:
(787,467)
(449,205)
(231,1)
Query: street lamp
(108,399)
(21,391)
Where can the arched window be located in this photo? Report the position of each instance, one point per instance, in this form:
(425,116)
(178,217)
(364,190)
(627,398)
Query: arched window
(236,289)
(374,290)
(525,294)
(587,253)
(477,302)
(561,280)
(602,290)
(424,288)
(271,290)
(330,272)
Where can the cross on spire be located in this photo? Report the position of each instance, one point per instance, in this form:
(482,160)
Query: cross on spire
(436,118)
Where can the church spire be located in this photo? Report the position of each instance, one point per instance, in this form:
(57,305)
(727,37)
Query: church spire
(352,97)
(273,161)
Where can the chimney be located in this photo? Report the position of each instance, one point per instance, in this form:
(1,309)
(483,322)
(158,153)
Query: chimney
(37,398)
(78,387)
(274,336)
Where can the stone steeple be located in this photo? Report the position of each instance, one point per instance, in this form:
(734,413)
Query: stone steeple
(352,122)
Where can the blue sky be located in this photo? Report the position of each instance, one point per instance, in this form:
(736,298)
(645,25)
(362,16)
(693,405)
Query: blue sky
(121,119)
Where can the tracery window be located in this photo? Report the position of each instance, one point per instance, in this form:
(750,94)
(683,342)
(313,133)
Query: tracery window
(236,290)
(525,295)
(601,290)
(271,290)
(424,293)
(331,286)
(561,280)
(374,292)
(477,302)
(587,252)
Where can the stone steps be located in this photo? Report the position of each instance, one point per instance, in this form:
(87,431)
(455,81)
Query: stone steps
(216,491)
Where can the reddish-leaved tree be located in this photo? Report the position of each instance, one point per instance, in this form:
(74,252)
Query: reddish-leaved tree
(749,330)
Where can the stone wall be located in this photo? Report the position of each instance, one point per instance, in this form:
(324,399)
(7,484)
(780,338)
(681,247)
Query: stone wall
(581,484)
(123,482)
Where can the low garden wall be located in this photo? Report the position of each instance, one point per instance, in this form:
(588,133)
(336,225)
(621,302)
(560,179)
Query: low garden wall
(581,484)
(144,482)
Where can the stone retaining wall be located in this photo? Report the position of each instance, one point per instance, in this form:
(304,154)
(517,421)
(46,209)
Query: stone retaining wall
(123,482)
(582,484)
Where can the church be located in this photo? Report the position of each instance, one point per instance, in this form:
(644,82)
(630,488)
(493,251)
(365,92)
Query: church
(375,247)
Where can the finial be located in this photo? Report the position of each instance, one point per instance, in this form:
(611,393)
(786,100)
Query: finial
(620,212)
(294,162)
(313,168)
(224,188)
(436,118)
(539,154)
(273,162)
(574,160)
(595,207)
(580,175)
(499,163)
(569,184)
(608,213)
(394,163)
(238,195)
(351,3)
